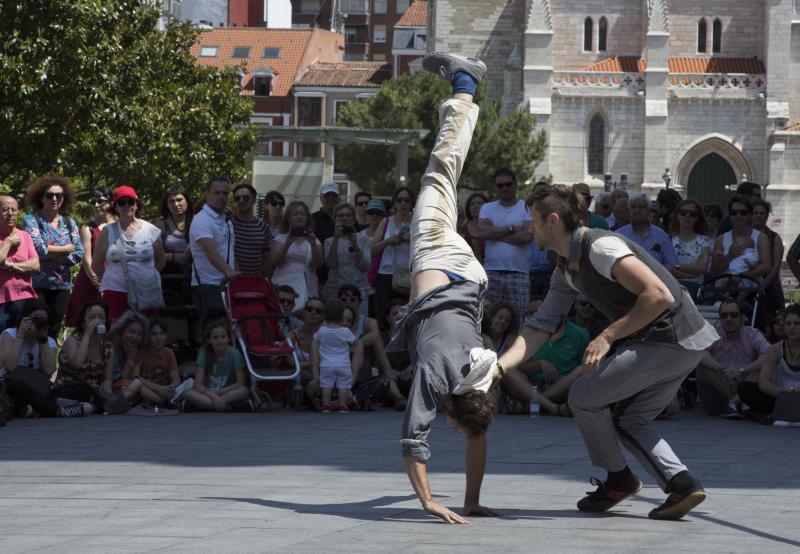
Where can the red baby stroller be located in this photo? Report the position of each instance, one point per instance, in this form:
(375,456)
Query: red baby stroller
(261,330)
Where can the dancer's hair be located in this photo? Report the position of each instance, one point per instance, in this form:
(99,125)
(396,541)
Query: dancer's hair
(474,411)
(562,200)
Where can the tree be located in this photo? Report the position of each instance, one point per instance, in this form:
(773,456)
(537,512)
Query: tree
(413,103)
(93,90)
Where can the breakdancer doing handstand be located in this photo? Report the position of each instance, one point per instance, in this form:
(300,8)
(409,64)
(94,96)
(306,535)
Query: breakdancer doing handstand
(655,340)
(440,325)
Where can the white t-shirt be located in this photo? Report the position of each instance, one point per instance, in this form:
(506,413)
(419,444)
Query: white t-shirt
(208,224)
(139,253)
(35,360)
(334,346)
(394,254)
(605,252)
(500,255)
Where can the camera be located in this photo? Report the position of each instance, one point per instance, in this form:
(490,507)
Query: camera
(298,232)
(100,329)
(40,322)
(404,228)
(349,229)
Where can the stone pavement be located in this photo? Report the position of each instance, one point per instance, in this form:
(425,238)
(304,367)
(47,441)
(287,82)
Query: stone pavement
(304,482)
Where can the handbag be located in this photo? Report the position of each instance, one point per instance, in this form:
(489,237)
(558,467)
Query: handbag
(33,379)
(401,276)
(144,292)
(787,407)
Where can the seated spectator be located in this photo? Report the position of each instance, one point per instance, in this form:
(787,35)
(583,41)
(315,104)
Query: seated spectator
(777,329)
(19,261)
(296,253)
(138,266)
(742,250)
(400,361)
(57,240)
(650,237)
(303,338)
(174,224)
(274,203)
(82,360)
(252,234)
(587,317)
(735,357)
(26,348)
(157,368)
(128,337)
(347,255)
(500,326)
(713,214)
(87,283)
(287,299)
(692,246)
(220,383)
(780,370)
(469,230)
(594,221)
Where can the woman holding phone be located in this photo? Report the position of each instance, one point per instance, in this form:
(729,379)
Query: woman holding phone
(297,253)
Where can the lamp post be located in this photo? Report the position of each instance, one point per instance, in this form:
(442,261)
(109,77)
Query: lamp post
(609,184)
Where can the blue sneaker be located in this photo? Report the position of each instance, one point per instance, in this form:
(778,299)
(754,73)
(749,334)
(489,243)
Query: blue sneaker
(730,411)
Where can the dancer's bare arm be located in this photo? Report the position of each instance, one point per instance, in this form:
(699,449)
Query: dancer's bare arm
(475,468)
(418,475)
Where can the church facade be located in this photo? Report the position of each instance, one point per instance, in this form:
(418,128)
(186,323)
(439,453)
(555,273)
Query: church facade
(638,93)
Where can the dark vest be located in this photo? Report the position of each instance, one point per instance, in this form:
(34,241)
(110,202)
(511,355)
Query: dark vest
(677,323)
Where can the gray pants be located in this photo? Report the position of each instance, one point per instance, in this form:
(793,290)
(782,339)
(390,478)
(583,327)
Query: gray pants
(641,378)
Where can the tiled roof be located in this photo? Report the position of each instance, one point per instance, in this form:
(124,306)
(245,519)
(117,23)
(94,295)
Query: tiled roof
(793,127)
(632,64)
(345,74)
(292,43)
(416,15)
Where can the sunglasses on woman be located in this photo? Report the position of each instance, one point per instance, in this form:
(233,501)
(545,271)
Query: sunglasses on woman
(688,213)
(54,195)
(98,201)
(122,202)
(312,310)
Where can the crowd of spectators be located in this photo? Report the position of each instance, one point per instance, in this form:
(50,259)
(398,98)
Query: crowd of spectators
(83,330)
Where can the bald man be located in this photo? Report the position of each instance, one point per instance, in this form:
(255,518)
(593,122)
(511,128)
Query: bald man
(18,261)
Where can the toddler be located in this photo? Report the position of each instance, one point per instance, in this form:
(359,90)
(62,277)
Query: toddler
(330,356)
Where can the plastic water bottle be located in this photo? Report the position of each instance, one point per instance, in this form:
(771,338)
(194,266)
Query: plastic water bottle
(534,401)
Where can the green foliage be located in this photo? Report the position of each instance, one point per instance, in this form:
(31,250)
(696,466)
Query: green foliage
(93,90)
(413,103)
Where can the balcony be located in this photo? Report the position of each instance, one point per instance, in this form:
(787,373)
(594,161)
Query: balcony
(596,83)
(717,85)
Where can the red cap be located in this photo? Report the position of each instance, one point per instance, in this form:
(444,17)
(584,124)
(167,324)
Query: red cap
(125,192)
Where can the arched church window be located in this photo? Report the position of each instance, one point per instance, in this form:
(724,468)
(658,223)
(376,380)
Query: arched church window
(702,32)
(602,34)
(588,34)
(716,39)
(597,144)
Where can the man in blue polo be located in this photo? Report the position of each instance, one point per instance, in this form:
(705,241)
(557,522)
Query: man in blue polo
(650,237)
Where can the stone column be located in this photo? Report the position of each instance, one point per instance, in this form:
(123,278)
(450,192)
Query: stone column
(656,97)
(537,70)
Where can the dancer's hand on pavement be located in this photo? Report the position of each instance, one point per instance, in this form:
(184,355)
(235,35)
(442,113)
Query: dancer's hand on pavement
(445,514)
(594,354)
(480,511)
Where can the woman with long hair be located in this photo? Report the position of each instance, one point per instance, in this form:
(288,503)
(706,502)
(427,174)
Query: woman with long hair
(57,240)
(692,246)
(773,289)
(274,203)
(128,338)
(87,283)
(174,223)
(469,230)
(392,243)
(296,252)
(500,326)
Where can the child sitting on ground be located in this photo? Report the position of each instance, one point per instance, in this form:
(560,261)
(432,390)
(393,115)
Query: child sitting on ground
(330,356)
(157,367)
(219,383)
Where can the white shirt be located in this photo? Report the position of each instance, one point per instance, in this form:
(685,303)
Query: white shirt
(209,224)
(500,255)
(334,346)
(25,350)
(139,255)
(394,254)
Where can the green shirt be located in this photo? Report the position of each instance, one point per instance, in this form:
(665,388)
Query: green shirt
(566,352)
(596,221)
(224,371)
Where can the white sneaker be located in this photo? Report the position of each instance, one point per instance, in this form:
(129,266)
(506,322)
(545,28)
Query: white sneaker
(77,410)
(181,389)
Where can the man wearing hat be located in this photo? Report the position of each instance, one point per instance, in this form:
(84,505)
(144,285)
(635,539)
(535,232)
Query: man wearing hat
(595,221)
(324,223)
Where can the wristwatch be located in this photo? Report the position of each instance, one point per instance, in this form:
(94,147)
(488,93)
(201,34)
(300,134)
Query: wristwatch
(510,229)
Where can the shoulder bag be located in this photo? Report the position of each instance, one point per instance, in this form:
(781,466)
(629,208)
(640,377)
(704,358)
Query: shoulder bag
(144,292)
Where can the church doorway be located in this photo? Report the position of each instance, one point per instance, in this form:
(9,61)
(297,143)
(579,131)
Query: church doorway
(709,179)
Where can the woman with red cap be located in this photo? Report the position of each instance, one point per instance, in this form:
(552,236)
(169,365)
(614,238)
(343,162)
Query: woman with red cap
(129,256)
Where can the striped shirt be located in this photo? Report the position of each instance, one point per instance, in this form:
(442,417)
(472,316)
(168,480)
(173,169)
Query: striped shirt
(251,244)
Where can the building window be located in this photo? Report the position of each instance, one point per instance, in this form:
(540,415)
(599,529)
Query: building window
(602,34)
(262,84)
(597,144)
(349,35)
(208,51)
(241,51)
(588,34)
(379,57)
(716,39)
(402,6)
(702,32)
(309,6)
(379,6)
(271,53)
(379,33)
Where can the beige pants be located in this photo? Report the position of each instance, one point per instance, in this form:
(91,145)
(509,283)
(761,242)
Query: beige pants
(435,243)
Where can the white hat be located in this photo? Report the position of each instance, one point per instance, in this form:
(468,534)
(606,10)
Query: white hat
(330,186)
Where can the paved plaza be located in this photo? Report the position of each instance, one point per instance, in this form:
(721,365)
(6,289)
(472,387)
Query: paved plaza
(304,482)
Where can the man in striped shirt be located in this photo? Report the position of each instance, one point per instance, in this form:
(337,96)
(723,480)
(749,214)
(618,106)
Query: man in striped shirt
(252,234)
